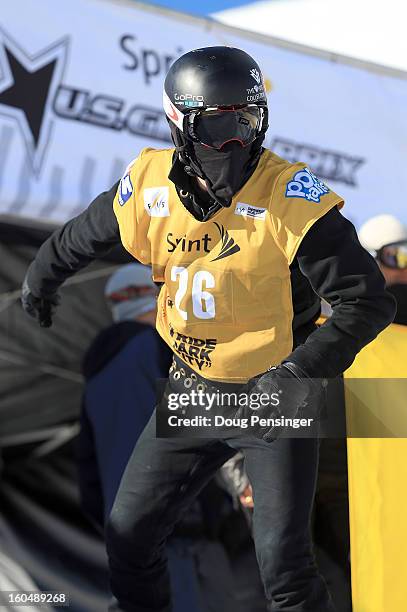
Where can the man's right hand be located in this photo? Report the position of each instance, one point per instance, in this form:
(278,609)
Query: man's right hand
(40,308)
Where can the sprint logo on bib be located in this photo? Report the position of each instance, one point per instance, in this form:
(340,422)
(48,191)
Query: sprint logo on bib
(156,201)
(125,189)
(254,212)
(305,184)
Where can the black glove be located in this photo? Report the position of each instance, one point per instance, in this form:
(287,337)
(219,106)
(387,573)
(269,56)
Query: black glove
(294,390)
(41,308)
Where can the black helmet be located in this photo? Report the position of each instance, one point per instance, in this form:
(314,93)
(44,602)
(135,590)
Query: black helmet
(204,83)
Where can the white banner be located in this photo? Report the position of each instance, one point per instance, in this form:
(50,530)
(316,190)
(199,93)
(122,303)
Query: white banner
(81,89)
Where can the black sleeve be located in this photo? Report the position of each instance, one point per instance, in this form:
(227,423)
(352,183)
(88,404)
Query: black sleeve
(342,272)
(90,235)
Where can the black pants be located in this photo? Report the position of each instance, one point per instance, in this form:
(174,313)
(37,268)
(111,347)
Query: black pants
(162,478)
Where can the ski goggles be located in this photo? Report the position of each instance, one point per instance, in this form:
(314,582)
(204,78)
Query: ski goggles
(214,127)
(393,255)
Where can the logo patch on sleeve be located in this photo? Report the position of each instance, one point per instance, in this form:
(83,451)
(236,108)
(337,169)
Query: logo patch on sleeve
(305,184)
(156,201)
(125,189)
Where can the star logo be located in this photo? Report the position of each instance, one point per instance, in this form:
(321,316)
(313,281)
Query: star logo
(28,84)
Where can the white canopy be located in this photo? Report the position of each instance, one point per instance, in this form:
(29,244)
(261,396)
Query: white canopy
(370,30)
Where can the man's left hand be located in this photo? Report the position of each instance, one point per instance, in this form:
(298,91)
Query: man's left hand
(285,382)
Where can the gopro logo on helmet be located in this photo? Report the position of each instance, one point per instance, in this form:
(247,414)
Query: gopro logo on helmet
(125,189)
(189,99)
(305,184)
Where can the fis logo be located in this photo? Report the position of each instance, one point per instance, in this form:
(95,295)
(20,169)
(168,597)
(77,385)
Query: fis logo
(305,184)
(156,201)
(254,212)
(125,189)
(229,247)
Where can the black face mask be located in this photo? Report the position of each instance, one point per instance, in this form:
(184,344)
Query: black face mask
(399,291)
(225,171)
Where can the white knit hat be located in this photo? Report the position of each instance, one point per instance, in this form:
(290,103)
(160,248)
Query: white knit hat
(381,230)
(131,292)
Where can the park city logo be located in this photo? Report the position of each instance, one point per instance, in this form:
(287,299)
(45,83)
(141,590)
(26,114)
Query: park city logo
(195,351)
(28,85)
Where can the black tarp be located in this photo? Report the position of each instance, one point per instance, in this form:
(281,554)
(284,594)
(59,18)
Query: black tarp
(41,525)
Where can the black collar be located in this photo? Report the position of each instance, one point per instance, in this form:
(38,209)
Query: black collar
(195,200)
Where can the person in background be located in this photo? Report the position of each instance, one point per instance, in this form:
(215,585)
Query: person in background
(121,368)
(385,237)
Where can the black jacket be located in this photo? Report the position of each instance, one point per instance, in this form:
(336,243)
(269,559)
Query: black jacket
(330,263)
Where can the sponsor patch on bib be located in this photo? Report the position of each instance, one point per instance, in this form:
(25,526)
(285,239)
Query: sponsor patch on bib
(254,212)
(305,184)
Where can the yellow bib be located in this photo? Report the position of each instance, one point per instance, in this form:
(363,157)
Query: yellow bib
(225,307)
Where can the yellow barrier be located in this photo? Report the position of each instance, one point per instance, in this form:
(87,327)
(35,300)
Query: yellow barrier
(378,473)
